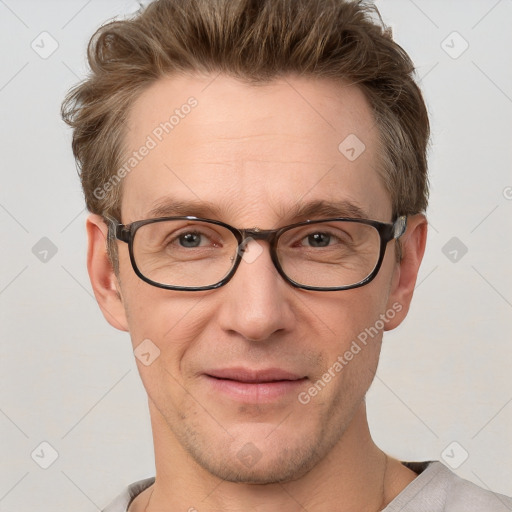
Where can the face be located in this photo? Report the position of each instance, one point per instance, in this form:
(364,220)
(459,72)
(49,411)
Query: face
(234,383)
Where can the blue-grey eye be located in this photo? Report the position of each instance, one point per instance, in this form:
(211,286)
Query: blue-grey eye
(319,239)
(190,240)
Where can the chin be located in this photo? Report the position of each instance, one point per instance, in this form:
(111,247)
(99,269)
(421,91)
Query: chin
(252,466)
(261,474)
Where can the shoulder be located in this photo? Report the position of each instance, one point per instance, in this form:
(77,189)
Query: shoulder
(465,496)
(121,503)
(438,489)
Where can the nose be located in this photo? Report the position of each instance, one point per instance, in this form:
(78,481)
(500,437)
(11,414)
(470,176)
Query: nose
(256,301)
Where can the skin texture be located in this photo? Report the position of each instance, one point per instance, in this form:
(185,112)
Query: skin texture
(254,153)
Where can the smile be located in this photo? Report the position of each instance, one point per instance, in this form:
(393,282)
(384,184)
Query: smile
(254,386)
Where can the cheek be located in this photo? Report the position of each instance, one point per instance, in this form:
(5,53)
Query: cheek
(169,319)
(350,312)
(163,329)
(353,324)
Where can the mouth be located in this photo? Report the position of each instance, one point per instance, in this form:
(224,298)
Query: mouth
(257,386)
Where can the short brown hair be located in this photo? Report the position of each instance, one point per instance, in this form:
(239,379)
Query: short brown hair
(255,41)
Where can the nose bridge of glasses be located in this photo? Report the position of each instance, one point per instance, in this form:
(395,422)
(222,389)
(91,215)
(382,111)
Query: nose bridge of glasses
(266,235)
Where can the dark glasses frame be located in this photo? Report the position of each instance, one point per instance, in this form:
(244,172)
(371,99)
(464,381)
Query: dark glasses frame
(387,232)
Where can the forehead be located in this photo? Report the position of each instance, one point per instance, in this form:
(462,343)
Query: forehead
(252,152)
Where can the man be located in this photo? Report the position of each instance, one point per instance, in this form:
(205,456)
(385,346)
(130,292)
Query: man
(256,176)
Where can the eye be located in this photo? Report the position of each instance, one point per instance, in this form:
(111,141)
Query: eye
(319,239)
(192,239)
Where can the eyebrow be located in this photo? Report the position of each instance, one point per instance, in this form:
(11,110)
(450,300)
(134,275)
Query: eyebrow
(169,207)
(323,208)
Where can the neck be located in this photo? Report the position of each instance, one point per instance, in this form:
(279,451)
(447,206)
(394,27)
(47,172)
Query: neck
(355,475)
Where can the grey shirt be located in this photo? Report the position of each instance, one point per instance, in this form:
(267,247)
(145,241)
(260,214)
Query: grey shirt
(435,489)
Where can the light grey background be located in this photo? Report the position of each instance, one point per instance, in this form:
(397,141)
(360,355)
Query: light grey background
(67,378)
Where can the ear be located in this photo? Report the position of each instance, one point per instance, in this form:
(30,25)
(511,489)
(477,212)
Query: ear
(103,279)
(405,273)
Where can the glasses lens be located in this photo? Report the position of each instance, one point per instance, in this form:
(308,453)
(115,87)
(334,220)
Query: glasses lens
(184,253)
(329,254)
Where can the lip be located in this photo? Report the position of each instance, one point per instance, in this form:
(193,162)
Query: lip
(257,386)
(242,374)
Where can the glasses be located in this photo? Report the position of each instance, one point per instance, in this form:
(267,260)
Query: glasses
(192,254)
